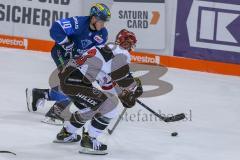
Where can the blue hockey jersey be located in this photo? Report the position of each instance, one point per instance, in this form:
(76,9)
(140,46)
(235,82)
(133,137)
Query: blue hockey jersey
(77,29)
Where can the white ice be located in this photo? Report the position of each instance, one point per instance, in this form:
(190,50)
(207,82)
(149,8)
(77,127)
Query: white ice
(213,133)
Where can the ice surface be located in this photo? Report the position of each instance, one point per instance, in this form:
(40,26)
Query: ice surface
(212,133)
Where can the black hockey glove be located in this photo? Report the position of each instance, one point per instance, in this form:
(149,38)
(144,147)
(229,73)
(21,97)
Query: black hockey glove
(139,90)
(127,98)
(70,49)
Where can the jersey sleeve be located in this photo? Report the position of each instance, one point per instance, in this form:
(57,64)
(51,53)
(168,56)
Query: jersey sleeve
(62,29)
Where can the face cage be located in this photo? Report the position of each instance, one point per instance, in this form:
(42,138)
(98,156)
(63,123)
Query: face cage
(128,45)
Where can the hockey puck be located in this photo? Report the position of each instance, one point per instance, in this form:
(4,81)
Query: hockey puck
(174,134)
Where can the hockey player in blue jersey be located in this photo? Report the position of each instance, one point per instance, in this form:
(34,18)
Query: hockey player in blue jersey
(73,37)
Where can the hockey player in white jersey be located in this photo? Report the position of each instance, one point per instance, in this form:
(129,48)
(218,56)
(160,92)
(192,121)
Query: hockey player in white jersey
(109,66)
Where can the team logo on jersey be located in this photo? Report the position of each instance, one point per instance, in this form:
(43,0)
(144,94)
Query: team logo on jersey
(98,39)
(86,43)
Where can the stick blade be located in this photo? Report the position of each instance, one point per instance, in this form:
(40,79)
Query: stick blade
(8,152)
(175,118)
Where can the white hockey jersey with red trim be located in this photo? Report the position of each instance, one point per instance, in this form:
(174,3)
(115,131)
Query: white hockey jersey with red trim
(98,64)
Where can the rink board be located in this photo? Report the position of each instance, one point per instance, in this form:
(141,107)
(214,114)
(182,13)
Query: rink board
(138,57)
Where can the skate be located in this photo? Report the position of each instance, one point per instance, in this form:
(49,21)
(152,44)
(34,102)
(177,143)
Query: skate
(35,98)
(65,137)
(53,116)
(90,145)
(52,121)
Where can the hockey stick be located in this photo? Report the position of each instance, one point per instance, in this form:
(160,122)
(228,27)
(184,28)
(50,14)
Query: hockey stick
(174,118)
(110,131)
(8,152)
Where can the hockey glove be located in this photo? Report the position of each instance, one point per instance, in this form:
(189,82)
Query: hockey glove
(127,98)
(139,90)
(70,49)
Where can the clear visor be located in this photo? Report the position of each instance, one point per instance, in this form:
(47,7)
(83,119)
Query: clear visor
(103,19)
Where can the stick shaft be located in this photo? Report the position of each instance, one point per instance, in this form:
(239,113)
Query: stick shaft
(110,131)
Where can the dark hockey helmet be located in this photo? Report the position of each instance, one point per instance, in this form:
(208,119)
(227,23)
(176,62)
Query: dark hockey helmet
(100,11)
(126,39)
